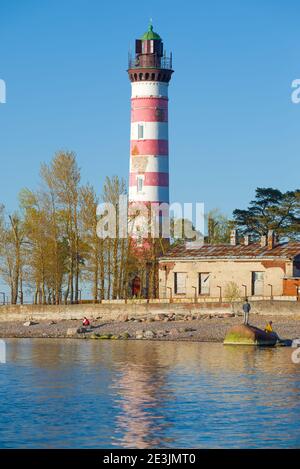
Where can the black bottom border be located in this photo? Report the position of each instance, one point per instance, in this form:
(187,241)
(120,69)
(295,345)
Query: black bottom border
(137,458)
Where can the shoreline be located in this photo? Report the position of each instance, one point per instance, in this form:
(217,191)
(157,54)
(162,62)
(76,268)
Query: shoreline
(208,328)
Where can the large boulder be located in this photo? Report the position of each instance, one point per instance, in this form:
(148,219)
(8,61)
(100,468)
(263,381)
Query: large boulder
(149,334)
(161,333)
(125,335)
(139,334)
(249,335)
(179,317)
(29,323)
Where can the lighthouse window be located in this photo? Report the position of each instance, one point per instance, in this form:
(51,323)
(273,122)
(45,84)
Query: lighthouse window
(140,183)
(159,113)
(140,131)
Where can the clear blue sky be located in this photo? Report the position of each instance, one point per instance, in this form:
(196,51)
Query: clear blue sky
(233,126)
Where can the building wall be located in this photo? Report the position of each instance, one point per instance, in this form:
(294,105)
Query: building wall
(221,273)
(291,286)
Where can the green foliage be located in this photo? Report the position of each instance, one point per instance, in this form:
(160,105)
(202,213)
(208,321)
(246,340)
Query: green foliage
(271,210)
(232,292)
(218,228)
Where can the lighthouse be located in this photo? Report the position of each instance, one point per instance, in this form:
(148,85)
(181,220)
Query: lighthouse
(149,71)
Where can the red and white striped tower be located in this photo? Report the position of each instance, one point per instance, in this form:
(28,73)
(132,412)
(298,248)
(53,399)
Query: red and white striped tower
(149,72)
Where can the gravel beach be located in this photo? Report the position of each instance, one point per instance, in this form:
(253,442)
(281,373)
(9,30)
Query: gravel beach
(205,329)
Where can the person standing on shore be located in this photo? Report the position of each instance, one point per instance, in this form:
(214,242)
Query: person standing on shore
(246,309)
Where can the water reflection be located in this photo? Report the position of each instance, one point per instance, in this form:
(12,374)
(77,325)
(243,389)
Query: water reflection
(73,393)
(140,390)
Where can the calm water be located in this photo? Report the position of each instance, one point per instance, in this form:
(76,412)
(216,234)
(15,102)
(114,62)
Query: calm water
(93,394)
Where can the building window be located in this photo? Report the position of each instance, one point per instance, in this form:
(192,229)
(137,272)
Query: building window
(257,284)
(140,183)
(296,269)
(140,131)
(204,283)
(180,283)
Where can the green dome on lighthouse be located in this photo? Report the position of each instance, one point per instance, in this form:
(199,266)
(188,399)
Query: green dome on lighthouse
(150,34)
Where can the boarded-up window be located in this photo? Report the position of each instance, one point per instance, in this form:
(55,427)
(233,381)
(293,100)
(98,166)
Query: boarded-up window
(140,131)
(180,282)
(204,283)
(258,283)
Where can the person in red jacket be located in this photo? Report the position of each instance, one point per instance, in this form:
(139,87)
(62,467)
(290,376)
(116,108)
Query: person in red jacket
(85,321)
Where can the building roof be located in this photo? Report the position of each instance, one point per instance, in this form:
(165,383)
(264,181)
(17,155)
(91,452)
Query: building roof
(150,34)
(227,251)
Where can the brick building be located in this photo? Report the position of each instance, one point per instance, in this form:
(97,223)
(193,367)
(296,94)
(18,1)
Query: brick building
(261,270)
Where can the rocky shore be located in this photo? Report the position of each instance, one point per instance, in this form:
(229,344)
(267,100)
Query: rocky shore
(201,328)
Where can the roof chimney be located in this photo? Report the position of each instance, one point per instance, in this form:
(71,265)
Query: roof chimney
(263,241)
(233,237)
(271,239)
(246,240)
